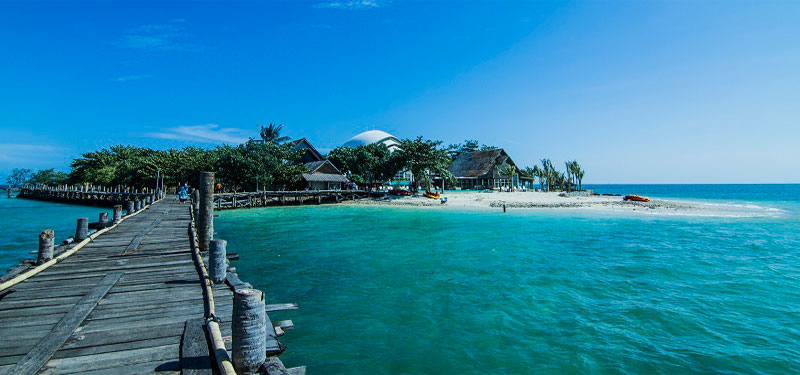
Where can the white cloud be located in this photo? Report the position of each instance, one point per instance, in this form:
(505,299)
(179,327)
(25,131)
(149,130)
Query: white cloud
(210,133)
(18,152)
(350,4)
(133,77)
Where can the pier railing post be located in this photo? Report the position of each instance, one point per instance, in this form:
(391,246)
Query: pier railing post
(46,239)
(196,200)
(249,326)
(205,217)
(82,229)
(128,207)
(117,213)
(217,260)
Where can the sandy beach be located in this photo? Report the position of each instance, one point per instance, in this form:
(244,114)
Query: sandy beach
(554,200)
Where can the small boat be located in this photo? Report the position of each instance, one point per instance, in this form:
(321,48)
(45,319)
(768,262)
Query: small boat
(399,192)
(428,194)
(636,198)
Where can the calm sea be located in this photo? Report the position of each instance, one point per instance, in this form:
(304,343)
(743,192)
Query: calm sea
(392,290)
(22,220)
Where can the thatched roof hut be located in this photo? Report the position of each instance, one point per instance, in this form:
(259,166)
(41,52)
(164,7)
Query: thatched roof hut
(479,169)
(479,164)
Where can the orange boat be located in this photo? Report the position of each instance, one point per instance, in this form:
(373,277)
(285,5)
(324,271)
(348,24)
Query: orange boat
(636,198)
(428,194)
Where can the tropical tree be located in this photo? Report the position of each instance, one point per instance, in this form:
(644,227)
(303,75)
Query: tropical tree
(272,133)
(18,176)
(508,170)
(48,177)
(367,164)
(423,157)
(255,163)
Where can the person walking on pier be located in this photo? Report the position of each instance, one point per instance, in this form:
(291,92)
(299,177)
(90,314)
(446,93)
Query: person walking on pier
(183,193)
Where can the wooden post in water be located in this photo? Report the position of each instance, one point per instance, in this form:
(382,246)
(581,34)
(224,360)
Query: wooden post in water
(137,204)
(249,326)
(46,239)
(217,261)
(205,217)
(117,213)
(128,207)
(82,229)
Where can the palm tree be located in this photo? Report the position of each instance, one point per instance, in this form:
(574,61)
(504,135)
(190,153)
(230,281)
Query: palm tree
(580,178)
(272,134)
(508,170)
(547,172)
(537,172)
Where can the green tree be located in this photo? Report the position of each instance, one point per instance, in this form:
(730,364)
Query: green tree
(424,157)
(18,176)
(254,163)
(508,170)
(48,177)
(367,164)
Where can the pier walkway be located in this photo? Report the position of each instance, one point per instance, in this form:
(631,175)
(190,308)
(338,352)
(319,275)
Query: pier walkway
(119,305)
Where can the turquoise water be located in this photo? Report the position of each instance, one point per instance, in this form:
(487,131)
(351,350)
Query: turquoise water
(22,220)
(390,290)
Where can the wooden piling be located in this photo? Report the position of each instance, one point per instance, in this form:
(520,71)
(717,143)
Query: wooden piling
(128,207)
(249,330)
(205,217)
(117,213)
(46,241)
(217,261)
(82,229)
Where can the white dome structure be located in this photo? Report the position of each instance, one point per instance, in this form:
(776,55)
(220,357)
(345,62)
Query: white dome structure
(373,136)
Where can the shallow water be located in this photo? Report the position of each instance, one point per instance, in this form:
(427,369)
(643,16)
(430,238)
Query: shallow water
(391,290)
(22,220)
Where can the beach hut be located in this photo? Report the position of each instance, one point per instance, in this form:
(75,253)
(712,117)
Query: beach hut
(310,155)
(320,173)
(323,175)
(479,170)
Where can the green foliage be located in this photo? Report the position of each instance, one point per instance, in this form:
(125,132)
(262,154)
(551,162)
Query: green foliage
(18,176)
(507,170)
(259,164)
(242,166)
(367,164)
(469,145)
(550,179)
(48,177)
(423,157)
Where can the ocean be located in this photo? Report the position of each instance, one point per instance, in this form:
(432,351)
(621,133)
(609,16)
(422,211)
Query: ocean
(396,290)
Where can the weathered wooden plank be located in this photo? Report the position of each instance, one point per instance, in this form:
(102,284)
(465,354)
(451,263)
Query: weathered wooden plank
(195,354)
(159,355)
(45,349)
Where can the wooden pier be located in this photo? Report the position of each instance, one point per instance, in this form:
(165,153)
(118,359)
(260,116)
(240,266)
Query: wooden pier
(84,195)
(224,201)
(133,298)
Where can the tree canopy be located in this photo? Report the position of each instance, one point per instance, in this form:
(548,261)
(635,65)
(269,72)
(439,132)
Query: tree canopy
(367,164)
(424,157)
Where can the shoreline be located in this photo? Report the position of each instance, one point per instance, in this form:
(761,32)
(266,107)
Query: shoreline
(553,201)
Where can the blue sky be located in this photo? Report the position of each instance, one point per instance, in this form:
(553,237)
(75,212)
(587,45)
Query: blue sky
(638,92)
